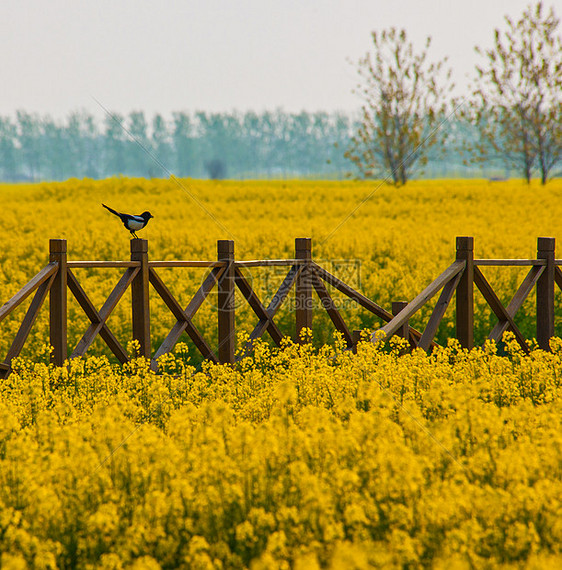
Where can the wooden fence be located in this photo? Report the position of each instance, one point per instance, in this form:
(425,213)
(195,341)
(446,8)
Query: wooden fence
(304,275)
(226,274)
(463,274)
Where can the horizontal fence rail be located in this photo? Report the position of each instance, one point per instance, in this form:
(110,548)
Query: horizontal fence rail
(304,277)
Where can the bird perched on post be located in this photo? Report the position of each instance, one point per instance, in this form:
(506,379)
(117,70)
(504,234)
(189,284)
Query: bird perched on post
(132,223)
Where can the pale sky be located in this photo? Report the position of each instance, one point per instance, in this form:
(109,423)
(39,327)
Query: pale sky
(219,55)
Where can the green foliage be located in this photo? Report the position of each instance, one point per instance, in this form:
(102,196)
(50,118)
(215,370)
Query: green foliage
(404,103)
(517,103)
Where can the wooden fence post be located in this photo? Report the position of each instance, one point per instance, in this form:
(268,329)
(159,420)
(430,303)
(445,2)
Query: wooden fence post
(545,293)
(465,293)
(226,304)
(356,340)
(303,288)
(140,297)
(58,303)
(404,330)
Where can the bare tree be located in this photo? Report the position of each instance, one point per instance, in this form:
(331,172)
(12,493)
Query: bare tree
(404,102)
(517,104)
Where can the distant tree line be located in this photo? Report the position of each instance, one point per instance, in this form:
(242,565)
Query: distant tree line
(205,145)
(410,124)
(199,145)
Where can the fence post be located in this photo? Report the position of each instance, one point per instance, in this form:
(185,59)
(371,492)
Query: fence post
(404,330)
(140,297)
(465,293)
(58,303)
(303,288)
(225,303)
(545,293)
(356,335)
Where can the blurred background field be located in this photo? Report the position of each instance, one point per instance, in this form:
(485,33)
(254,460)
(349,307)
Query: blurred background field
(386,242)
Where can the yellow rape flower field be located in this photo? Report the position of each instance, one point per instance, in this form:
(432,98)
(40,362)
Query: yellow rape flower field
(299,457)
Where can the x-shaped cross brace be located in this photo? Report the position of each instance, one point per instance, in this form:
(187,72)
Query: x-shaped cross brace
(98,319)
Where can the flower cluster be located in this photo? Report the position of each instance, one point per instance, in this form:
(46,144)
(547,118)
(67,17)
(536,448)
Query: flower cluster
(292,458)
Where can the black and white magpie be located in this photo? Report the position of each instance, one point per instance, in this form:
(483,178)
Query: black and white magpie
(132,223)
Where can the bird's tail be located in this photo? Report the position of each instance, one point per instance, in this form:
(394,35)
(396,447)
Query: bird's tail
(111,210)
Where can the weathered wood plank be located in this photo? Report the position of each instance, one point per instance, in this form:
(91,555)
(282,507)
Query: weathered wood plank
(184,322)
(329,306)
(303,289)
(356,335)
(5,370)
(140,298)
(508,262)
(82,298)
(187,263)
(102,264)
(545,292)
(438,312)
(126,279)
(404,330)
(98,318)
(360,299)
(277,301)
(517,301)
(267,263)
(200,342)
(92,314)
(250,295)
(166,295)
(284,289)
(29,320)
(226,303)
(497,307)
(196,301)
(206,287)
(192,331)
(558,276)
(58,325)
(418,302)
(27,289)
(258,308)
(465,293)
